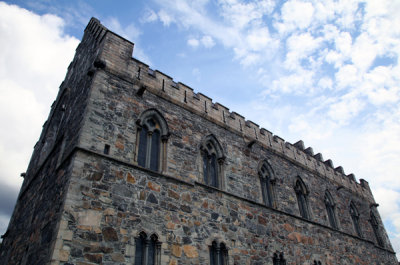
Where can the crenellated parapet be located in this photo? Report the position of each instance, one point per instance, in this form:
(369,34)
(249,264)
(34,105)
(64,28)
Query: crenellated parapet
(159,83)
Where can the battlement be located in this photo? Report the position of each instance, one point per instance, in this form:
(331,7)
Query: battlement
(161,84)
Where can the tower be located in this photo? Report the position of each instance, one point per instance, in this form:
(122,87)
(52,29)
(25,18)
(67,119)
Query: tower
(135,168)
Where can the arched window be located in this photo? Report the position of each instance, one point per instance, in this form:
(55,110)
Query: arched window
(267,181)
(278,259)
(212,159)
(218,254)
(151,140)
(148,250)
(375,227)
(330,210)
(355,216)
(317,262)
(301,194)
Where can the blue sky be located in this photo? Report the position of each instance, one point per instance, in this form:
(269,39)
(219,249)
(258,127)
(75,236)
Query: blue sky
(326,72)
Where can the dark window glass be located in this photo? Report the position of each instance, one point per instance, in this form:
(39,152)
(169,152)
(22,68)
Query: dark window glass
(266,185)
(218,255)
(142,152)
(155,149)
(205,167)
(223,257)
(302,205)
(151,253)
(139,250)
(330,209)
(268,191)
(213,171)
(278,259)
(301,199)
(355,218)
(375,227)
(213,254)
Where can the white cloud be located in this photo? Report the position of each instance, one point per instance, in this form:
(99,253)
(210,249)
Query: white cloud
(295,15)
(149,16)
(165,18)
(258,39)
(207,41)
(347,77)
(241,15)
(299,47)
(34,55)
(193,42)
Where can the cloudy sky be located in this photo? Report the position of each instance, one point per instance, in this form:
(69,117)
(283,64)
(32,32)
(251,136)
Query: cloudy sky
(323,71)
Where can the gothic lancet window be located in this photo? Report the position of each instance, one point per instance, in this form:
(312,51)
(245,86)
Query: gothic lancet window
(151,140)
(375,227)
(218,254)
(148,250)
(330,209)
(212,161)
(301,194)
(267,181)
(355,218)
(278,259)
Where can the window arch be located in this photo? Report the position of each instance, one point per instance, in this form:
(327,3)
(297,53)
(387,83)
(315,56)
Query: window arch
(218,254)
(151,139)
(375,227)
(212,161)
(278,259)
(148,250)
(267,181)
(355,216)
(302,200)
(330,210)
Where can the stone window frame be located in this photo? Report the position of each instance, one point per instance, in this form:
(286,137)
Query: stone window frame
(152,121)
(143,246)
(212,154)
(302,193)
(331,210)
(375,227)
(267,183)
(278,259)
(218,253)
(355,217)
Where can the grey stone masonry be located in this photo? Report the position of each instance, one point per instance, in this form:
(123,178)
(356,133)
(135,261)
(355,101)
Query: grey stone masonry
(128,154)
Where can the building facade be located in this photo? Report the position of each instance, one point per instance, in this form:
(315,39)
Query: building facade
(135,168)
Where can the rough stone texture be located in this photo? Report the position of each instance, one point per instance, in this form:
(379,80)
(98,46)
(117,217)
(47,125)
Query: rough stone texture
(87,207)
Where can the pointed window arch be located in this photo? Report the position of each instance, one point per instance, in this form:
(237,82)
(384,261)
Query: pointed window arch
(355,217)
(330,210)
(302,200)
(212,159)
(148,250)
(218,254)
(151,139)
(267,181)
(278,259)
(375,227)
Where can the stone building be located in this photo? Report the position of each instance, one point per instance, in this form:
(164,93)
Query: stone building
(135,168)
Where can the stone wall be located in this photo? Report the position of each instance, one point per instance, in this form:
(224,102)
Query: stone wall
(110,202)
